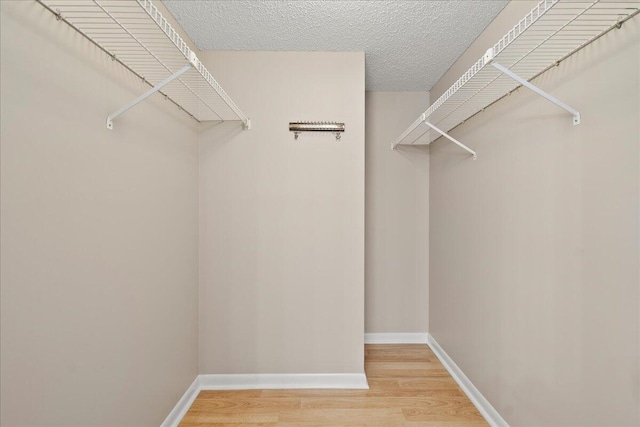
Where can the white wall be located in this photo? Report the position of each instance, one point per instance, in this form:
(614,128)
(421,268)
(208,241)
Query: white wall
(397,216)
(534,247)
(282,221)
(99,238)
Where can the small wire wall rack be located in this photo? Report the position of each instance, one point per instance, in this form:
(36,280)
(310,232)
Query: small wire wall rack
(334,127)
(549,33)
(137,35)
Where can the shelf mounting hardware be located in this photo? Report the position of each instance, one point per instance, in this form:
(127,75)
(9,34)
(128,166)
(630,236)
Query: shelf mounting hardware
(423,120)
(504,70)
(452,139)
(150,92)
(145,95)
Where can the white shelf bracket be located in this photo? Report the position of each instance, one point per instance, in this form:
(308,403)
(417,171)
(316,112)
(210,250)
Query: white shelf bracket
(148,93)
(452,139)
(536,89)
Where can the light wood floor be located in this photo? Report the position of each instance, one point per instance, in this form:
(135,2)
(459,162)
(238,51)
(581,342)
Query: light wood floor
(408,387)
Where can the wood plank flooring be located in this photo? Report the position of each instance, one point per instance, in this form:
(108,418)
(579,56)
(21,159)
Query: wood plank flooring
(409,387)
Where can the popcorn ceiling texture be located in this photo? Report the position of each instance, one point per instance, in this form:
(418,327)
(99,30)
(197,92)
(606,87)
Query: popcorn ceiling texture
(408,44)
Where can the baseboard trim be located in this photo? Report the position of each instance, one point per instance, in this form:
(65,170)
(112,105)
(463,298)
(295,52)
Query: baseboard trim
(396,338)
(488,412)
(283,381)
(334,381)
(261,381)
(183,405)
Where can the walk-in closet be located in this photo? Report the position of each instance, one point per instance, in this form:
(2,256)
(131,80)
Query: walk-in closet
(319,213)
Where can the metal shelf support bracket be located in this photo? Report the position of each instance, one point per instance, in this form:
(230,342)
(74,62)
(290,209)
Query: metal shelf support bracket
(452,139)
(536,89)
(147,94)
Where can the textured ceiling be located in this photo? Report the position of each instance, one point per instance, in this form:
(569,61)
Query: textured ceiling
(408,44)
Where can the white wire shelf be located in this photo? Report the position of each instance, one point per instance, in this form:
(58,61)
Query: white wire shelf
(136,34)
(550,32)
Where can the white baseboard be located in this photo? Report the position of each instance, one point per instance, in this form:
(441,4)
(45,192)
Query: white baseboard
(335,381)
(183,405)
(261,381)
(488,412)
(396,338)
(283,381)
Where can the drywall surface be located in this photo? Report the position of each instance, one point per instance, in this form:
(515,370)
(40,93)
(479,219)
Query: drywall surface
(397,216)
(534,247)
(282,221)
(99,235)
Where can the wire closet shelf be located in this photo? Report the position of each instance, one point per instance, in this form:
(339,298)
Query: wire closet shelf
(134,33)
(550,32)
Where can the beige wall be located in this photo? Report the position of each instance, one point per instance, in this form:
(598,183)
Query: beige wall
(99,235)
(534,277)
(397,216)
(282,221)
